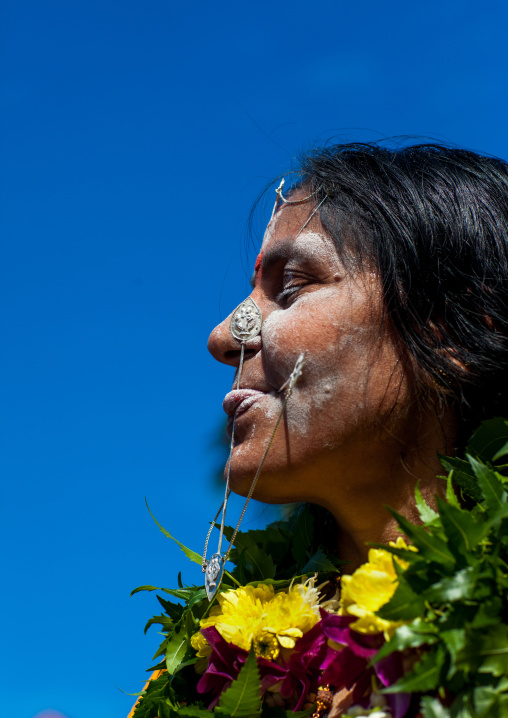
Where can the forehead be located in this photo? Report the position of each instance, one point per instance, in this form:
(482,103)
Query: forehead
(290,221)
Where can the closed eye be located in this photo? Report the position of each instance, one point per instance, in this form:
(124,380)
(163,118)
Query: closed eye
(292,283)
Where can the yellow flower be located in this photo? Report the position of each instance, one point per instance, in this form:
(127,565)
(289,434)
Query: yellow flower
(259,616)
(370,587)
(201,645)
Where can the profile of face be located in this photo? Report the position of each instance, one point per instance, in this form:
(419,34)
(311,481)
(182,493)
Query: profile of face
(349,408)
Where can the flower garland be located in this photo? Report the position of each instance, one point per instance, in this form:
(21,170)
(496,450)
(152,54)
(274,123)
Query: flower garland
(421,629)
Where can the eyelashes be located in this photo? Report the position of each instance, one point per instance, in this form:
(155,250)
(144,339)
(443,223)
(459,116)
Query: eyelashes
(286,294)
(291,287)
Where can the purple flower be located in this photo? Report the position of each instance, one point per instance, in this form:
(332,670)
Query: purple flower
(304,666)
(312,662)
(225,663)
(349,667)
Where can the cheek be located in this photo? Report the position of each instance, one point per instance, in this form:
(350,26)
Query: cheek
(328,330)
(312,327)
(346,372)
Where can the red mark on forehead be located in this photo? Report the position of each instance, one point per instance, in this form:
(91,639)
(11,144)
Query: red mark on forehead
(257,266)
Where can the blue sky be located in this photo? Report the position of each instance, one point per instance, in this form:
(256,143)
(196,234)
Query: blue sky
(134,139)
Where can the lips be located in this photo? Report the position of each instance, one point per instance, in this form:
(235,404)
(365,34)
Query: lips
(239,400)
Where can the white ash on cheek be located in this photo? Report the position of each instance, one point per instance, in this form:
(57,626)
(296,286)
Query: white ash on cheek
(282,325)
(298,415)
(306,405)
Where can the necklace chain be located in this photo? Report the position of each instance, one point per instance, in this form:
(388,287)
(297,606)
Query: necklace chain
(287,388)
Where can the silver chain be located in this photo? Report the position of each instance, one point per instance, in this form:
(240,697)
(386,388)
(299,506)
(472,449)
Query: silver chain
(287,388)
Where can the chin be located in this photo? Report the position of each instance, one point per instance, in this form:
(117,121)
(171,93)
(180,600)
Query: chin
(275,484)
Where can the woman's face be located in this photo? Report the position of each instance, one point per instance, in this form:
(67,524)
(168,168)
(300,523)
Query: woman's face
(352,396)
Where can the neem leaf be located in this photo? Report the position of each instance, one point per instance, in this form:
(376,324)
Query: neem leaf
(198,596)
(156,692)
(427,514)
(278,585)
(433,708)
(319,563)
(145,588)
(451,496)
(484,698)
(490,441)
(243,697)
(166,623)
(424,676)
(490,484)
(462,528)
(463,476)
(302,538)
(192,712)
(459,587)
(429,546)
(256,563)
(404,605)
(454,640)
(416,634)
(176,649)
(187,551)
(487,652)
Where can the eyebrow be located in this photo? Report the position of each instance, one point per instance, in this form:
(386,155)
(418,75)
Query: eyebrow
(282,250)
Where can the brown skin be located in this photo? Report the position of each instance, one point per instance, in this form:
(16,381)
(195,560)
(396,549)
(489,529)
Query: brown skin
(354,438)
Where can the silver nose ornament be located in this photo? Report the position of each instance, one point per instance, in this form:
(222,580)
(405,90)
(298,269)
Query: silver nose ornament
(246,321)
(245,324)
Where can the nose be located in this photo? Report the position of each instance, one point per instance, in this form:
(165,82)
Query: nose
(225,348)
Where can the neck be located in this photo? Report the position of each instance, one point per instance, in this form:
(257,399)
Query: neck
(388,478)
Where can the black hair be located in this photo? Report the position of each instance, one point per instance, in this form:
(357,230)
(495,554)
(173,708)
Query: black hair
(432,221)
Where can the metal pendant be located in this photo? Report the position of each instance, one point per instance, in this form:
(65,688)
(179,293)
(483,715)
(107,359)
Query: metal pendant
(213,575)
(246,320)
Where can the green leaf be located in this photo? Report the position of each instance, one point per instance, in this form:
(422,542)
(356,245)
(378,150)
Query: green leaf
(424,676)
(429,546)
(192,712)
(166,623)
(198,596)
(192,555)
(490,485)
(454,640)
(484,699)
(145,588)
(184,664)
(463,530)
(486,653)
(303,536)
(433,708)
(161,651)
(243,697)
(174,610)
(459,587)
(319,563)
(463,476)
(451,496)
(176,649)
(184,594)
(416,634)
(278,585)
(490,441)
(404,605)
(256,564)
(427,514)
(191,623)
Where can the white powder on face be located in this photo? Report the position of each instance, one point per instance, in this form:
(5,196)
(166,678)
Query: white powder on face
(316,244)
(270,229)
